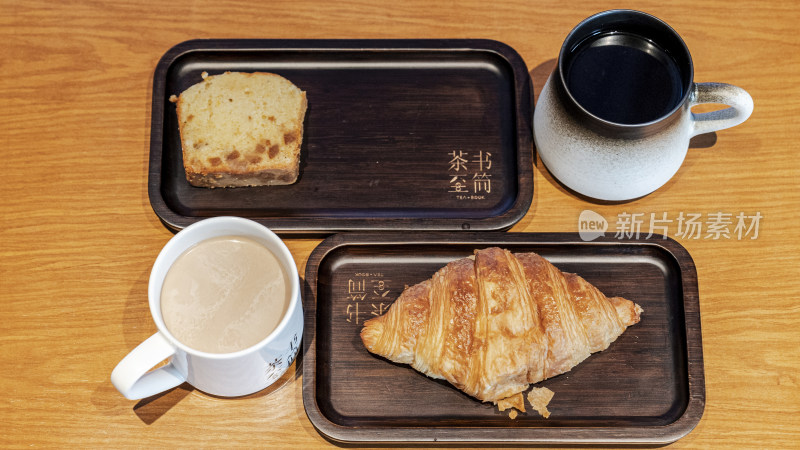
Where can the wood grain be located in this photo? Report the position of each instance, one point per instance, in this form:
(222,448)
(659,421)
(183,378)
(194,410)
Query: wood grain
(78,235)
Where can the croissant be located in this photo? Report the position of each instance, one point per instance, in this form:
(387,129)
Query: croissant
(494,323)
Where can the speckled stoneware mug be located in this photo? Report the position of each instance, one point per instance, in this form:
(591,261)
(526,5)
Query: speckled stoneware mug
(614,120)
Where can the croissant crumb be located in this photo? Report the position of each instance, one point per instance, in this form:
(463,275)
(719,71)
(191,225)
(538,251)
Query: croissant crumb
(515,401)
(539,398)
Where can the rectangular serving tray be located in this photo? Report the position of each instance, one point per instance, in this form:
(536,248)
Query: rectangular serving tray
(399,135)
(646,388)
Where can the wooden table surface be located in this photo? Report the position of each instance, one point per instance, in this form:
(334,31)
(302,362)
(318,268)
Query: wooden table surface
(78,235)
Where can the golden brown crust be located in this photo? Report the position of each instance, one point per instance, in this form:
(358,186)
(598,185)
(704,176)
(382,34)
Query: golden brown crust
(495,323)
(409,315)
(453,296)
(242,178)
(510,326)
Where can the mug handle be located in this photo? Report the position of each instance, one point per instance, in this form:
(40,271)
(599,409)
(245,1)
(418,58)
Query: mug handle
(739,101)
(133,378)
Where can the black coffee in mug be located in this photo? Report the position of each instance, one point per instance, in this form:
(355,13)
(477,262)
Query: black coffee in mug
(624,78)
(625,68)
(614,119)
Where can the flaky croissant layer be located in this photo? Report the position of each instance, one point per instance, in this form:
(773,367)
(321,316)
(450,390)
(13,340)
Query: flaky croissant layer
(494,323)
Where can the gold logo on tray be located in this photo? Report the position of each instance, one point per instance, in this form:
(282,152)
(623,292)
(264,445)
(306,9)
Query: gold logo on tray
(368,295)
(468,174)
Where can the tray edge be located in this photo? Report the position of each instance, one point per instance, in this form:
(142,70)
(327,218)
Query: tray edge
(523,100)
(672,432)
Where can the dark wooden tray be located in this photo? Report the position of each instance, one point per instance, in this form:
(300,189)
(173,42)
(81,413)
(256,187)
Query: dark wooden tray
(647,387)
(399,134)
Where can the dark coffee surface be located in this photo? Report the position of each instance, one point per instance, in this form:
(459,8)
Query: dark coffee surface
(624,79)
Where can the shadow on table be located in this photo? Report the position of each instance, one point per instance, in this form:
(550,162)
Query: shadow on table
(152,408)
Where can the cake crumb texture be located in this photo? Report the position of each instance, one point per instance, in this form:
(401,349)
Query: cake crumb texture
(241,129)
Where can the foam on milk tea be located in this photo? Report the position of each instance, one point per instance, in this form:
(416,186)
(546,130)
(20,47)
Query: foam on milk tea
(224,294)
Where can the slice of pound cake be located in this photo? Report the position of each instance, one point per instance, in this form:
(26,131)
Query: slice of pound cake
(241,129)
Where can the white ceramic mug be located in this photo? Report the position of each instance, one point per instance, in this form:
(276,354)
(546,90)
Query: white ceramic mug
(611,159)
(224,374)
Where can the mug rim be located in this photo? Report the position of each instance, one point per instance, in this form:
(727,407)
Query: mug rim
(635,129)
(176,240)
